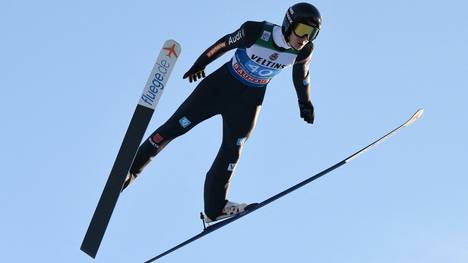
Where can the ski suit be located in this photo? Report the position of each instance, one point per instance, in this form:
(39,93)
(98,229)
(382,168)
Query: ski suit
(235,91)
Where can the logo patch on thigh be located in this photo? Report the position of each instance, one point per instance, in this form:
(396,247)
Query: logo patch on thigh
(157,138)
(184,122)
(231,167)
(241,141)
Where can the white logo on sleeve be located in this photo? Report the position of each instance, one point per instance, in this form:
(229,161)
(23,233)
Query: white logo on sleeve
(236,37)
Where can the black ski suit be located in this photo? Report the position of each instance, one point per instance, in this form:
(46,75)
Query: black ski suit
(224,93)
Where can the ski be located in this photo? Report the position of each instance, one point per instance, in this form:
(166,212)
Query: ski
(141,117)
(255,207)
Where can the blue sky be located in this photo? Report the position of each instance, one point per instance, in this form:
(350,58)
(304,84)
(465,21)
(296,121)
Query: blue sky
(71,74)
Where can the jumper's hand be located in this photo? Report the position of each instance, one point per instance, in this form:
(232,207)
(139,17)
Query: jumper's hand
(195,73)
(307,111)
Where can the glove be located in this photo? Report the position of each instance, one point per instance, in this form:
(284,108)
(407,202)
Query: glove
(307,111)
(194,73)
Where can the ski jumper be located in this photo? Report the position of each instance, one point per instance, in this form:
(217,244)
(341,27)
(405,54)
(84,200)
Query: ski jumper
(235,91)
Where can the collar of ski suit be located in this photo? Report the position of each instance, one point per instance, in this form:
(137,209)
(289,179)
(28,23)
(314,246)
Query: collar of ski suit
(279,38)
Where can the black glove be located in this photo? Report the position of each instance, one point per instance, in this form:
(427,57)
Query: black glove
(194,73)
(307,111)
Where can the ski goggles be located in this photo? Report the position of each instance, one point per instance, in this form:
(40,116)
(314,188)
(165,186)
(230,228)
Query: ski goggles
(301,30)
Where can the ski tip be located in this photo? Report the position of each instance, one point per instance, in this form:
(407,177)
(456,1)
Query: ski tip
(415,117)
(171,42)
(171,49)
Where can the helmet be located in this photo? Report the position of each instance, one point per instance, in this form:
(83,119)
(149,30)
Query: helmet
(301,13)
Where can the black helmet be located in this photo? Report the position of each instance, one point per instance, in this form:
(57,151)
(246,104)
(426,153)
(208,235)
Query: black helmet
(301,13)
